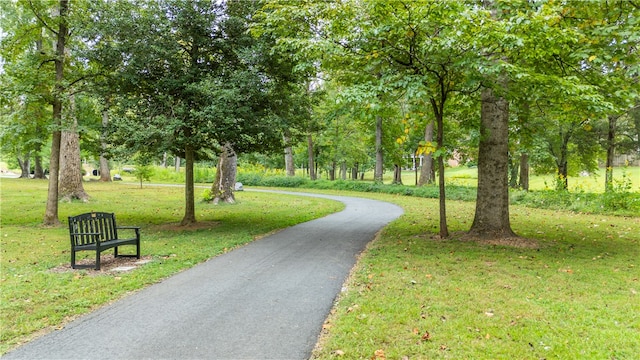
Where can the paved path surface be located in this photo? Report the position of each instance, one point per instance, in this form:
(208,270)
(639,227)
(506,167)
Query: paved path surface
(267,300)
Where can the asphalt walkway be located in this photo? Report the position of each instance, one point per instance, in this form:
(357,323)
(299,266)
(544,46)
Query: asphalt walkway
(266,300)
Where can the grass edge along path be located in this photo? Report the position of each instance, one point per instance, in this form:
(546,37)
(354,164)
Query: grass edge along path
(413,296)
(39,295)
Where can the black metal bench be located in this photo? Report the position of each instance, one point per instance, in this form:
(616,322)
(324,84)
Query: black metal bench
(97,231)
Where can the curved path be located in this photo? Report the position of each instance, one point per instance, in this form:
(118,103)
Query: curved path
(266,300)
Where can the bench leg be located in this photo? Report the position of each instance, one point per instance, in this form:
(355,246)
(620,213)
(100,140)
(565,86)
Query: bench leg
(97,260)
(73,259)
(115,252)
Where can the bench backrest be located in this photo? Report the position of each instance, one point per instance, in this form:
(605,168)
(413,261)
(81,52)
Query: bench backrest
(94,222)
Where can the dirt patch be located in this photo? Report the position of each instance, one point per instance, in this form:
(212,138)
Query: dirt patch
(200,225)
(108,264)
(511,241)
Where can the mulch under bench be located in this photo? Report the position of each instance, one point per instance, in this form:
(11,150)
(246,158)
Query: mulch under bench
(108,264)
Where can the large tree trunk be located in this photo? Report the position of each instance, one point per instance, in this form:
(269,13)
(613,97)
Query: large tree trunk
(223,186)
(426,172)
(105,172)
(492,204)
(312,166)
(611,146)
(377,176)
(70,186)
(51,211)
(189,190)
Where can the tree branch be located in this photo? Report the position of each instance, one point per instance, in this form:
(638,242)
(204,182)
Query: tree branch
(44,23)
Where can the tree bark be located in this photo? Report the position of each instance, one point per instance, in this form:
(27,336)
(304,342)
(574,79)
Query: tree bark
(397,174)
(70,185)
(189,190)
(51,211)
(289,165)
(426,172)
(438,111)
(105,172)
(514,168)
(523,183)
(378,176)
(611,146)
(224,183)
(312,167)
(25,165)
(492,204)
(38,172)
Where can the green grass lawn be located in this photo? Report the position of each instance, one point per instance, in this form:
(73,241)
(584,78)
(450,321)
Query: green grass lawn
(36,298)
(413,296)
(593,183)
(574,296)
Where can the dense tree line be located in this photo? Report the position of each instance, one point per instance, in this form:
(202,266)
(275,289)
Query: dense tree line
(343,86)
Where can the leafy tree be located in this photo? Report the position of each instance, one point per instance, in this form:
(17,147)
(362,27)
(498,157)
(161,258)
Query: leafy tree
(193,79)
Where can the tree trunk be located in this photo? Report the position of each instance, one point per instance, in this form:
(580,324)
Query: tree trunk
(164,160)
(224,183)
(562,182)
(51,211)
(377,176)
(189,190)
(105,172)
(312,168)
(524,172)
(492,204)
(289,165)
(397,174)
(426,172)
(438,111)
(177,164)
(611,146)
(25,165)
(70,185)
(514,167)
(38,172)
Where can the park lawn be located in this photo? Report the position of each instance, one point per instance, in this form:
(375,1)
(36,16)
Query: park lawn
(38,294)
(414,296)
(594,183)
(411,294)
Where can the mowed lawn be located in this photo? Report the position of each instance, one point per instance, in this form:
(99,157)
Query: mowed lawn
(38,291)
(412,296)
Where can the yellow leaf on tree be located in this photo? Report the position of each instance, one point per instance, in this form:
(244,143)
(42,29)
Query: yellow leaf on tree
(592,57)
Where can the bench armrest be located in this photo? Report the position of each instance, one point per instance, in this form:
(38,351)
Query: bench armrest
(136,228)
(129,227)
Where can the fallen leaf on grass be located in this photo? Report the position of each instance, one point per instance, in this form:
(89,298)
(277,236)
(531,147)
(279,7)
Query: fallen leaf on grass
(339,352)
(426,336)
(379,354)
